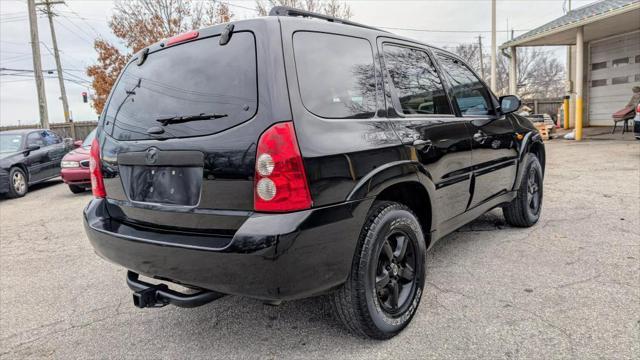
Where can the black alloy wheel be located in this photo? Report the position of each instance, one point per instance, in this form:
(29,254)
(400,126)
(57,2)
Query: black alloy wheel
(395,276)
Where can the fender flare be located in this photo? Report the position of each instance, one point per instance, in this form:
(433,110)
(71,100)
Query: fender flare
(397,172)
(529,139)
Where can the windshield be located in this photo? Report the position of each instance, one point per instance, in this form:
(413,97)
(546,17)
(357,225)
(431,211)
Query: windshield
(89,139)
(186,80)
(10,143)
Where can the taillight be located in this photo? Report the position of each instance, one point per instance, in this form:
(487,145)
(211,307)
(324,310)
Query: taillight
(97,182)
(280,181)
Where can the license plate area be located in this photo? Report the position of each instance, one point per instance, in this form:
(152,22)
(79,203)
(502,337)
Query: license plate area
(171,185)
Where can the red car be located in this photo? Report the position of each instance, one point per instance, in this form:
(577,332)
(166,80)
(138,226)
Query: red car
(75,166)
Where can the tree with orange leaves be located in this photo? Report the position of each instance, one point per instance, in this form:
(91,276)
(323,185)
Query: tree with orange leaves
(140,23)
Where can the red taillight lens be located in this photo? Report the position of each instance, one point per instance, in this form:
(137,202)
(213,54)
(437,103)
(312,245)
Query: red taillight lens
(280,181)
(97,182)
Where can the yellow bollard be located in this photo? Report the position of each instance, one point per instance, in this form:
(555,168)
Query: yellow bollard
(578,118)
(565,108)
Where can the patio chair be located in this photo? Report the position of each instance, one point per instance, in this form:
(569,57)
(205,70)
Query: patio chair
(624,116)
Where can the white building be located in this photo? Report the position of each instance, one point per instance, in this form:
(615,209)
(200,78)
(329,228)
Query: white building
(605,57)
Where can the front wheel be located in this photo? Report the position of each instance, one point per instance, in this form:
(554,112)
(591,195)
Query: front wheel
(18,184)
(383,290)
(525,209)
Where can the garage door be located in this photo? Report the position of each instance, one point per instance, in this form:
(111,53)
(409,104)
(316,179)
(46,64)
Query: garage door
(615,69)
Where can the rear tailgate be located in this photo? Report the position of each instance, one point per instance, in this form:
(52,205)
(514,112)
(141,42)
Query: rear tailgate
(195,172)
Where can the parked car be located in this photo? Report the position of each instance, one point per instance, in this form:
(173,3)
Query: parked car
(28,157)
(636,123)
(75,166)
(281,157)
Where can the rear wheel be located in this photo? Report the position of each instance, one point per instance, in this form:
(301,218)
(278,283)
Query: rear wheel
(384,288)
(18,184)
(77,189)
(525,209)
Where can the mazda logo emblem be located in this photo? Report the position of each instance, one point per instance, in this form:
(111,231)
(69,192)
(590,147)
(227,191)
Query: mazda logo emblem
(152,156)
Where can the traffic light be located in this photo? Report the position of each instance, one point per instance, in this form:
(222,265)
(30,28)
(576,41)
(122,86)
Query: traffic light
(84,96)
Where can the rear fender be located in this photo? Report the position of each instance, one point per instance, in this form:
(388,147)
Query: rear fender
(383,177)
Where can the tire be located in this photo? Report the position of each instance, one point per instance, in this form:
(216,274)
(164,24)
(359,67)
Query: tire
(362,308)
(18,183)
(77,189)
(525,209)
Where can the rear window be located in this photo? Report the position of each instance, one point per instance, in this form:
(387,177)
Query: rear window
(199,77)
(336,75)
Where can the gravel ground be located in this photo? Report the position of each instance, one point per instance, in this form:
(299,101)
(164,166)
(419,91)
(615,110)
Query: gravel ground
(568,287)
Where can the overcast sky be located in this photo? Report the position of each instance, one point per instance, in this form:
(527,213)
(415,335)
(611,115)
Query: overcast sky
(81,21)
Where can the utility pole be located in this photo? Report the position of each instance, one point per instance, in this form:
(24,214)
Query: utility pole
(493,46)
(481,55)
(37,65)
(56,54)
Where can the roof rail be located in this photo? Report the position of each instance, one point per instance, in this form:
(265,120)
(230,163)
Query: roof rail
(289,11)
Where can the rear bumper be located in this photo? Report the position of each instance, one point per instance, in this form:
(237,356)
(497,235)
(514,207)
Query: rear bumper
(76,176)
(270,257)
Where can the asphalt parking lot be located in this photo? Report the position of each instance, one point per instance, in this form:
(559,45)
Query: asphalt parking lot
(567,288)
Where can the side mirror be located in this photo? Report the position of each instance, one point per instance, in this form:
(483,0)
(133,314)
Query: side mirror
(77,143)
(32,147)
(509,104)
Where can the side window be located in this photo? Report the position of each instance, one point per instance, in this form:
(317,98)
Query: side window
(51,138)
(336,75)
(470,94)
(418,86)
(35,138)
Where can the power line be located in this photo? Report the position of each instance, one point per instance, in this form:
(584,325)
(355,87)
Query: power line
(84,19)
(75,33)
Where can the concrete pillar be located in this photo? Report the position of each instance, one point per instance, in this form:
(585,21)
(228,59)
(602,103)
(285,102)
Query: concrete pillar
(579,80)
(513,72)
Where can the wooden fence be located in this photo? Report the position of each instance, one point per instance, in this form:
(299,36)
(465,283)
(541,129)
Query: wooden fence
(77,129)
(544,106)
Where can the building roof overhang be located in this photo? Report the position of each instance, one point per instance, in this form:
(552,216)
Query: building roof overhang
(599,20)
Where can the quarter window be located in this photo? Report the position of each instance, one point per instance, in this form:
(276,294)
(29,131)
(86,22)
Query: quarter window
(51,138)
(470,94)
(336,75)
(418,86)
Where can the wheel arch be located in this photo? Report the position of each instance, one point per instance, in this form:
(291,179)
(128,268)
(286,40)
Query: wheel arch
(24,169)
(402,182)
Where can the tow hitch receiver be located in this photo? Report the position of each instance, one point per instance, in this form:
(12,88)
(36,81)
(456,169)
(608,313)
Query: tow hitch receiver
(159,295)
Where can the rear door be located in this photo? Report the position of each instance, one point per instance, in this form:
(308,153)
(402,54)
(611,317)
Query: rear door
(494,152)
(424,119)
(56,149)
(180,129)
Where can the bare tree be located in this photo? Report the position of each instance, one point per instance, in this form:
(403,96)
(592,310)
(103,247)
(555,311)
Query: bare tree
(335,8)
(540,74)
(140,23)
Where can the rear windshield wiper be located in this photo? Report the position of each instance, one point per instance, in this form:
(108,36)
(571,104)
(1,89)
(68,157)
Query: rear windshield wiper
(187,118)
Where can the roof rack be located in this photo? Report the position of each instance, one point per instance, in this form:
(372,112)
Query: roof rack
(289,11)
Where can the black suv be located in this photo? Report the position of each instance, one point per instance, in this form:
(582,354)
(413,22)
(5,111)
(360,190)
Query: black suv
(285,157)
